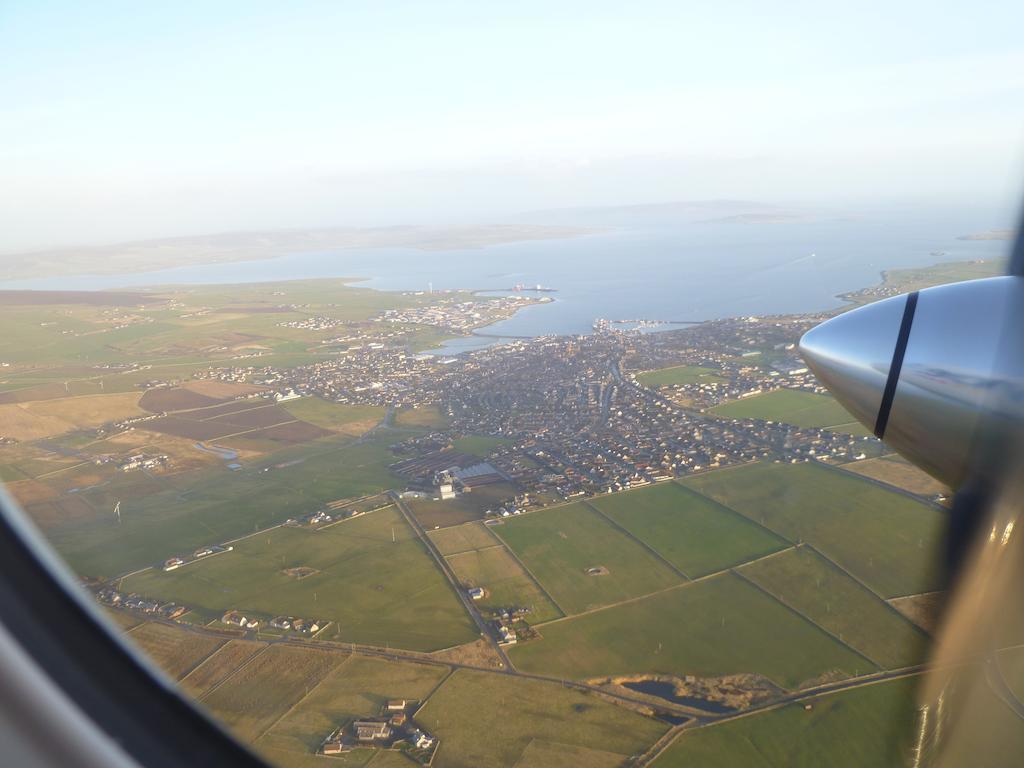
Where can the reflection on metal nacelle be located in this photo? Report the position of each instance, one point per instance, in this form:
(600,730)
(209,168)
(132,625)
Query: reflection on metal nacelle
(928,370)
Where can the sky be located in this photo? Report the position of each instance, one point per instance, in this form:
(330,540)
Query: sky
(124,120)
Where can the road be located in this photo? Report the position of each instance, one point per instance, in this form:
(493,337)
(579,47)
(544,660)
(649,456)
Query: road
(453,580)
(387,654)
(695,719)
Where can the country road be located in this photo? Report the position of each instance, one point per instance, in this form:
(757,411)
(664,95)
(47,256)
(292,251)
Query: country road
(453,580)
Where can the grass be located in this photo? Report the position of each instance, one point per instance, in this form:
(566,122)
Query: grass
(805,581)
(356,759)
(869,726)
(357,688)
(917,278)
(854,428)
(462,538)
(258,694)
(692,532)
(551,754)
(559,545)
(804,409)
(45,418)
(679,374)
(428,417)
(719,626)
(464,508)
(217,668)
(898,472)
(485,720)
(507,584)
(887,540)
(175,651)
(375,580)
(339,417)
(181,513)
(121,619)
(9,474)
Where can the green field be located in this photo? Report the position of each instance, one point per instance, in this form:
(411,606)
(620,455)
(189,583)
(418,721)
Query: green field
(377,590)
(485,720)
(692,532)
(259,693)
(887,540)
(210,506)
(804,409)
(357,688)
(462,538)
(51,335)
(680,374)
(552,754)
(507,584)
(428,416)
(559,545)
(347,419)
(869,726)
(464,508)
(720,626)
(805,581)
(479,445)
(917,278)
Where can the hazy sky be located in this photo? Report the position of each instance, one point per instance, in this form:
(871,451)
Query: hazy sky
(124,120)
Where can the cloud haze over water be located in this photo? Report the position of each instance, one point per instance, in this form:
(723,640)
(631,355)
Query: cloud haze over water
(120,120)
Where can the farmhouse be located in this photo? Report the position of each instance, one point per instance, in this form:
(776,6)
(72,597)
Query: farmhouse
(506,635)
(477,593)
(370,730)
(423,740)
(236,618)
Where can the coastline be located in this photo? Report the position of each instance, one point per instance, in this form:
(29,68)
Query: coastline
(153,255)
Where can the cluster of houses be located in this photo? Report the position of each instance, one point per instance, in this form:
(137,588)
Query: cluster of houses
(394,728)
(324,516)
(461,316)
(303,626)
(319,517)
(239,619)
(115,599)
(142,461)
(508,511)
(315,323)
(577,421)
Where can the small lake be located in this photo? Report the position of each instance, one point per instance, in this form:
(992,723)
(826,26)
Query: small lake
(667,691)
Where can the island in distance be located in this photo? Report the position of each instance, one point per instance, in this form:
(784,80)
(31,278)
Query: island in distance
(155,254)
(991,234)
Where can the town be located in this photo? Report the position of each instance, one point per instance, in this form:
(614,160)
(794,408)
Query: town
(574,418)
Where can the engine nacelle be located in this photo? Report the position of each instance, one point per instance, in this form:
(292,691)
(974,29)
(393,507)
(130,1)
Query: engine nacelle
(930,372)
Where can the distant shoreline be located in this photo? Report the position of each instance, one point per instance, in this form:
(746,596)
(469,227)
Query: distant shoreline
(154,255)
